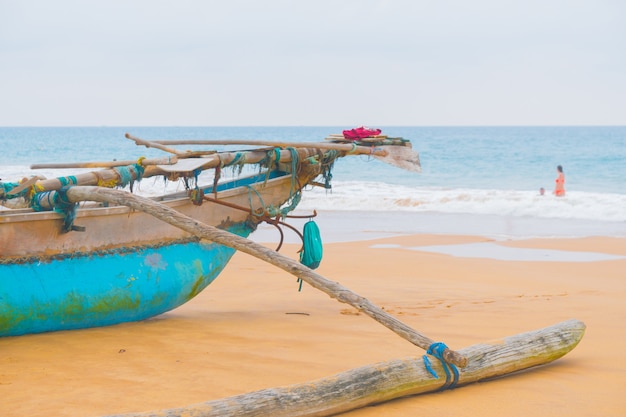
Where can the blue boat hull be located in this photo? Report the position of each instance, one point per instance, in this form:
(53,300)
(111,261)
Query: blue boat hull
(121,264)
(107,288)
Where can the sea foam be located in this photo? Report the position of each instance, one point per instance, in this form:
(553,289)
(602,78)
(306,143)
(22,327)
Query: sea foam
(376,196)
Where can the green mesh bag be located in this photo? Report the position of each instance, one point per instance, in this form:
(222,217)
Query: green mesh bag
(311,254)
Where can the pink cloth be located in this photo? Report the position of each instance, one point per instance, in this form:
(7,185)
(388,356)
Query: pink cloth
(360,133)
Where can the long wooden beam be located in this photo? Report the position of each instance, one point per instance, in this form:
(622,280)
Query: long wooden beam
(401,156)
(204,231)
(377,383)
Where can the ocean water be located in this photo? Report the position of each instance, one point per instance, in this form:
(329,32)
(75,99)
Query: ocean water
(471,177)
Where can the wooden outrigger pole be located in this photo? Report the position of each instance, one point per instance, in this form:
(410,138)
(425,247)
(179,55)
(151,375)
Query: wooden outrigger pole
(186,223)
(385,381)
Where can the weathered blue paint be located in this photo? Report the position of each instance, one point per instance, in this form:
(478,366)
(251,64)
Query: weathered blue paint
(104,289)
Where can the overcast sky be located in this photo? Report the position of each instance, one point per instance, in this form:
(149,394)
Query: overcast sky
(318,62)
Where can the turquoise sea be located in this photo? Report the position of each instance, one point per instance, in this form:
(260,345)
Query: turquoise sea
(493,172)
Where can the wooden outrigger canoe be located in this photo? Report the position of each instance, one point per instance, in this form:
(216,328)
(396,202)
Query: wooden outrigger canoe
(125,258)
(124,266)
(113,264)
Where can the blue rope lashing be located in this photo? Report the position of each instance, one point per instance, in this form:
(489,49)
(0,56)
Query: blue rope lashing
(64,206)
(238,162)
(437,349)
(139,171)
(43,201)
(429,367)
(6,187)
(129,174)
(125,175)
(238,159)
(67,180)
(295,161)
(277,154)
(327,167)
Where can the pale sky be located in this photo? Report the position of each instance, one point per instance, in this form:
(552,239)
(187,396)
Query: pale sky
(318,62)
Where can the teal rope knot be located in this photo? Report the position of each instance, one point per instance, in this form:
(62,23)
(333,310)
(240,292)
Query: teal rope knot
(238,162)
(5,190)
(45,197)
(68,180)
(139,170)
(125,174)
(129,174)
(437,349)
(295,162)
(328,161)
(294,194)
(64,206)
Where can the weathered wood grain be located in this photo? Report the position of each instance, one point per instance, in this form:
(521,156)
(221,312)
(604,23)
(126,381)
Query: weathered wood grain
(389,380)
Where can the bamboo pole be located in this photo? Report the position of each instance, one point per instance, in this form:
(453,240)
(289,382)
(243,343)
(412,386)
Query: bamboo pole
(169,165)
(377,383)
(401,156)
(333,289)
(149,144)
(342,147)
(106,164)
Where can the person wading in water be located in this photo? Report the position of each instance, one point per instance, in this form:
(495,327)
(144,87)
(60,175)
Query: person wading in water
(559,189)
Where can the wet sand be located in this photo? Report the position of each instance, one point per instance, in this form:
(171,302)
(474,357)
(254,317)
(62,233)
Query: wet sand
(253,329)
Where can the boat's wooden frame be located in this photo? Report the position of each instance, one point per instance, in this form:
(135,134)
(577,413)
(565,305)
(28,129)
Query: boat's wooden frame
(127,265)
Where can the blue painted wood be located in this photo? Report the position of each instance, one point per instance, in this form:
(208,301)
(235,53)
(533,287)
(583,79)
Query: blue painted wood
(103,289)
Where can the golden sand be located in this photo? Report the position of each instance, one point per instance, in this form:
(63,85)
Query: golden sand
(252,329)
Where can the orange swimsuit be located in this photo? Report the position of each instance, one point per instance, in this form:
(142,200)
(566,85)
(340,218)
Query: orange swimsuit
(560,185)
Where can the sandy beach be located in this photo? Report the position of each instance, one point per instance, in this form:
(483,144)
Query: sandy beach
(464,161)
(253,329)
